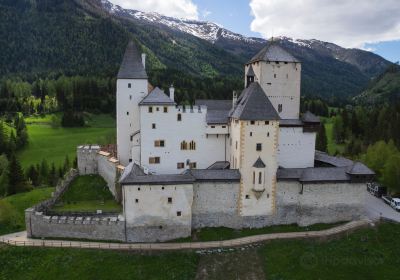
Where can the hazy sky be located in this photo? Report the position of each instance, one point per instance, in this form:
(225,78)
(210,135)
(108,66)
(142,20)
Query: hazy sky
(369,24)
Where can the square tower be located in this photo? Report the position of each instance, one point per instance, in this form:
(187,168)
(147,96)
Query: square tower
(279,75)
(132,87)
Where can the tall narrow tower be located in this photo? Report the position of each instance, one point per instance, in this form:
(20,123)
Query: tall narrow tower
(132,87)
(254,134)
(279,75)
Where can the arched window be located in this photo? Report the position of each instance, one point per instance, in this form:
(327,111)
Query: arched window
(192,145)
(183,145)
(259,177)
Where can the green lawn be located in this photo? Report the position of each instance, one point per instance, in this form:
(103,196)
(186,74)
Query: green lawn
(222,233)
(372,253)
(332,146)
(20,202)
(87,194)
(54,144)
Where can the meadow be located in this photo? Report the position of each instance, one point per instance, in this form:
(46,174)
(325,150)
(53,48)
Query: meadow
(371,253)
(13,207)
(54,143)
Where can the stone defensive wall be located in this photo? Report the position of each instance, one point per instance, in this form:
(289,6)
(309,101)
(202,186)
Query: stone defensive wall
(91,160)
(41,222)
(296,203)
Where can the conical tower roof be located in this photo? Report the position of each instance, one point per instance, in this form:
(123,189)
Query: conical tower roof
(131,66)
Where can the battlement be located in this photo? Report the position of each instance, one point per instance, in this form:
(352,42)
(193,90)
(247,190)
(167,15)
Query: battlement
(192,109)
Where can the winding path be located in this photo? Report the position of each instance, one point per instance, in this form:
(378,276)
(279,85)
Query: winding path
(20,239)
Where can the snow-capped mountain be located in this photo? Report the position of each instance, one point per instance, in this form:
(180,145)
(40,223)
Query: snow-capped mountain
(202,29)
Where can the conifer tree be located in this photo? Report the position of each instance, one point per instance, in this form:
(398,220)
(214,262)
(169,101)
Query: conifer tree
(44,172)
(33,175)
(321,141)
(16,179)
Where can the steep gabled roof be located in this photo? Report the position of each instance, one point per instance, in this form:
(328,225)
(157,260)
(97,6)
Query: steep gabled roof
(131,66)
(217,110)
(359,169)
(157,97)
(309,117)
(259,163)
(273,52)
(254,105)
(250,72)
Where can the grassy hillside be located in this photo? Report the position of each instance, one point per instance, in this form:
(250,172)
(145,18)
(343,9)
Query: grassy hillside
(15,206)
(53,144)
(365,254)
(384,89)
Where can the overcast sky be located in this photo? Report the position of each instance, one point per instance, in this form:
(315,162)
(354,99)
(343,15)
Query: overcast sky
(369,24)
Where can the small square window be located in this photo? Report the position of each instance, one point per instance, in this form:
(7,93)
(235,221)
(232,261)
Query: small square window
(157,109)
(169,200)
(274,75)
(267,122)
(153,126)
(259,147)
(252,122)
(137,200)
(247,196)
(130,160)
(130,97)
(165,109)
(267,134)
(138,189)
(179,117)
(127,113)
(129,85)
(179,213)
(251,134)
(150,109)
(162,188)
(131,138)
(213,126)
(180,165)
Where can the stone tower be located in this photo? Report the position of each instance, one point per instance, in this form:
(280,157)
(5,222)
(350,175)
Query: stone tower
(132,87)
(254,134)
(279,75)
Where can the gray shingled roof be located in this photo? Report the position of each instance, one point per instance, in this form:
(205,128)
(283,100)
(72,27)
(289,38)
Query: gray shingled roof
(259,163)
(157,97)
(217,110)
(169,179)
(289,173)
(273,52)
(250,72)
(218,165)
(225,175)
(331,160)
(309,117)
(290,122)
(324,174)
(359,169)
(219,105)
(131,66)
(253,104)
(132,170)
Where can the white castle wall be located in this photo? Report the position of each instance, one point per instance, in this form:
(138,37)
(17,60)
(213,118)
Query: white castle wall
(209,147)
(267,135)
(281,82)
(296,149)
(150,217)
(93,161)
(128,118)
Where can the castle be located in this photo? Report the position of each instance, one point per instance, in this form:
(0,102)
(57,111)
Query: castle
(245,162)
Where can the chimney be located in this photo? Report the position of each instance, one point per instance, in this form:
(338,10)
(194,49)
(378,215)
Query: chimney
(172,92)
(144,60)
(234,99)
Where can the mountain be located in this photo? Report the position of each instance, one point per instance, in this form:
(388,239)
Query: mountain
(42,37)
(383,89)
